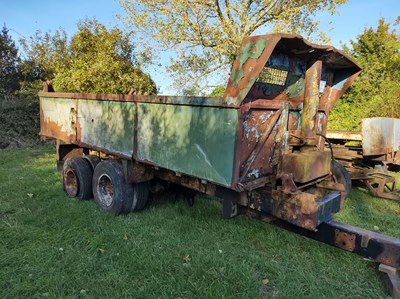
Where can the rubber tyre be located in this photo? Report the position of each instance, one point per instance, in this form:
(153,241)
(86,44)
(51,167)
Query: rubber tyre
(93,161)
(111,192)
(342,176)
(140,196)
(77,178)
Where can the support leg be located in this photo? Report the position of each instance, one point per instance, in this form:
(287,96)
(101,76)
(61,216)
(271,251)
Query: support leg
(392,280)
(230,202)
(230,208)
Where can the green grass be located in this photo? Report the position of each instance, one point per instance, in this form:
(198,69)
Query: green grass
(55,247)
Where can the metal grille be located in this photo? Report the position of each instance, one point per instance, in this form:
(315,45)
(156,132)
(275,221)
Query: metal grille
(270,75)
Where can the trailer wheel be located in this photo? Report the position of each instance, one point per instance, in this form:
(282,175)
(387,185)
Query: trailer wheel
(77,178)
(140,196)
(111,192)
(342,175)
(93,161)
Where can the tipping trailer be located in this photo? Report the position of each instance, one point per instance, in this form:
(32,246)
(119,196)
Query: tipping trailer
(260,147)
(368,154)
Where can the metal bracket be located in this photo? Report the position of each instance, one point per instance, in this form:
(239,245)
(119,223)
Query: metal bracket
(344,240)
(377,185)
(392,280)
(230,209)
(65,151)
(230,201)
(136,172)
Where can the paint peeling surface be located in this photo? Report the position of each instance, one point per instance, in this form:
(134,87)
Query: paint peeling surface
(249,50)
(107,124)
(197,141)
(58,118)
(290,54)
(294,122)
(321,122)
(256,144)
(381,135)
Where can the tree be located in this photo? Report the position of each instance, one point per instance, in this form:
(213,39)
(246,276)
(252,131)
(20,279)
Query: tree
(19,112)
(218,91)
(206,34)
(377,90)
(94,60)
(9,63)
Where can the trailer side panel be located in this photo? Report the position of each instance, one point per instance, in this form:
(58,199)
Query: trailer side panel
(57,118)
(194,140)
(107,124)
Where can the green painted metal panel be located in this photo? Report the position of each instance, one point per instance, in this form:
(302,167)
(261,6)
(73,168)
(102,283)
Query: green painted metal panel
(197,141)
(107,124)
(58,118)
(249,49)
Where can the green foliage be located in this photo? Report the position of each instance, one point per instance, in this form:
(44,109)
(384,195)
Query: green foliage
(377,90)
(96,60)
(19,107)
(9,64)
(207,34)
(55,247)
(191,91)
(19,120)
(218,91)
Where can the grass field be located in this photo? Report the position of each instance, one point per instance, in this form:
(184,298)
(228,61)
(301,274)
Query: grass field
(55,247)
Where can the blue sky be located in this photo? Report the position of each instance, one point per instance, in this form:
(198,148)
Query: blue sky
(24,17)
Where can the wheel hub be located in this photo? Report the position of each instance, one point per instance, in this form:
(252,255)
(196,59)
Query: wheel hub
(105,190)
(71,183)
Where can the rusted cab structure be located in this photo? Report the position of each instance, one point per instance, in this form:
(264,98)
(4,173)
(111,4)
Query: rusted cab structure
(260,147)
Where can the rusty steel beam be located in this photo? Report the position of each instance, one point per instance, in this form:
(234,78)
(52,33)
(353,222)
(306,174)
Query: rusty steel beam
(311,100)
(371,245)
(344,135)
(380,248)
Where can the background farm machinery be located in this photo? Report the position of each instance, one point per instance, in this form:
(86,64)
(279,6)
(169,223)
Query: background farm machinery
(260,147)
(370,153)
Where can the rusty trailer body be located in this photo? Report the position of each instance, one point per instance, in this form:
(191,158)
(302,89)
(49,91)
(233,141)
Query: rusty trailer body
(260,147)
(368,154)
(263,130)
(379,140)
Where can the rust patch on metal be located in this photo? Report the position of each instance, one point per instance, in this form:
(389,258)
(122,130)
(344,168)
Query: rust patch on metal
(70,183)
(344,135)
(311,100)
(298,208)
(136,172)
(186,181)
(257,143)
(344,240)
(307,166)
(52,129)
